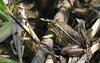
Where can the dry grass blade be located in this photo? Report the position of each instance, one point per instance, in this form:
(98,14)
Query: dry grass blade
(17,40)
(95,28)
(17,32)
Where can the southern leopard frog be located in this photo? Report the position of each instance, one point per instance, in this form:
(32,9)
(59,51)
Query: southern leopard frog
(66,36)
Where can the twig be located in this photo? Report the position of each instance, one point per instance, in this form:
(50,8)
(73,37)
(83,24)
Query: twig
(41,53)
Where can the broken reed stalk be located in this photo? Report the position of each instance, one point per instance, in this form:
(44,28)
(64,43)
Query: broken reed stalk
(41,53)
(95,28)
(63,13)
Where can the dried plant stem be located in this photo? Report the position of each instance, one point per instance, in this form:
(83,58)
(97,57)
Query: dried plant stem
(95,28)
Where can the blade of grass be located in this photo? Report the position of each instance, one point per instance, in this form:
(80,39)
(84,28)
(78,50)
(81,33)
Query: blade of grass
(4,17)
(1,8)
(8,60)
(89,31)
(5,6)
(5,31)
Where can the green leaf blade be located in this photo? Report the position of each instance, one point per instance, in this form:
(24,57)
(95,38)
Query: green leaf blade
(5,6)
(4,17)
(8,60)
(49,36)
(89,31)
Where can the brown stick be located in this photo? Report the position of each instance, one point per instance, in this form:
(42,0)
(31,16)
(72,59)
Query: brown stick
(63,13)
(41,53)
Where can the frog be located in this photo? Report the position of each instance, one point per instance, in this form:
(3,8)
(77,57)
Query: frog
(65,34)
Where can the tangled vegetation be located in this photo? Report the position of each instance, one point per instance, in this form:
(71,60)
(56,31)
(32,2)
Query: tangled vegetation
(50,31)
